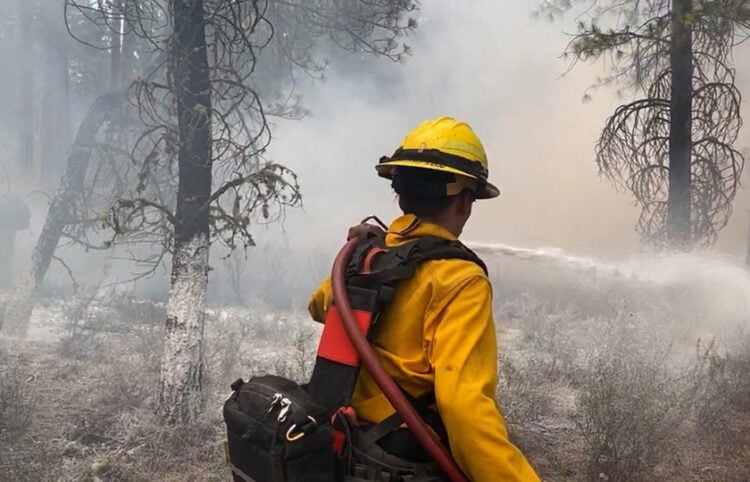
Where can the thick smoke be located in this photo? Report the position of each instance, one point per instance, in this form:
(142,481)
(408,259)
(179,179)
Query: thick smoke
(503,72)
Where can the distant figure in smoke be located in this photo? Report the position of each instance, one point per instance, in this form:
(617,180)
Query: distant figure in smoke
(14,217)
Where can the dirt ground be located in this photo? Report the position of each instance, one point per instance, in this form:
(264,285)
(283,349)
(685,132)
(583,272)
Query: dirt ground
(79,402)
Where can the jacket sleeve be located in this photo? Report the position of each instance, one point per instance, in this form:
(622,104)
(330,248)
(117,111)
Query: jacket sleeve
(463,355)
(320,300)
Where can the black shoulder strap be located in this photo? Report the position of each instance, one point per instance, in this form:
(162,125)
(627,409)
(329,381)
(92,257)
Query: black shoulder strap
(387,265)
(433,247)
(394,421)
(372,276)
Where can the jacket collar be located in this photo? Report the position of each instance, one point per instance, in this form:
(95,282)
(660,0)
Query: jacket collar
(408,227)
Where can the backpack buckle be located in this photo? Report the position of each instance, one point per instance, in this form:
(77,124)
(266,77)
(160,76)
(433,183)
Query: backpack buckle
(307,428)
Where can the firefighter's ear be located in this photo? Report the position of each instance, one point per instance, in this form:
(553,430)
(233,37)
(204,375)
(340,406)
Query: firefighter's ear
(463,202)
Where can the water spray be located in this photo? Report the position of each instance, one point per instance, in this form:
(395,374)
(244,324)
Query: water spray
(558,257)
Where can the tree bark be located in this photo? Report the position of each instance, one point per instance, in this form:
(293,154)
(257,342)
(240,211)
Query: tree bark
(127,55)
(55,114)
(25,159)
(60,214)
(679,231)
(115,52)
(182,359)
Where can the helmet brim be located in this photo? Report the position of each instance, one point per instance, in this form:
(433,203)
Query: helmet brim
(485,191)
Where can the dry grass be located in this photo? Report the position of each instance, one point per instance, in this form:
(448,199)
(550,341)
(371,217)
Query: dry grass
(611,397)
(586,396)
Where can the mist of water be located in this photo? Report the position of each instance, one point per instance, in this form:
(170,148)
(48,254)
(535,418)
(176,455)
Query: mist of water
(701,293)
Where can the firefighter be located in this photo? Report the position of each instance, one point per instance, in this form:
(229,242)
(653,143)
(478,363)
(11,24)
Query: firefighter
(438,333)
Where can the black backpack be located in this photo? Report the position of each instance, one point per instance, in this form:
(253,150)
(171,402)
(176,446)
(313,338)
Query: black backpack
(279,431)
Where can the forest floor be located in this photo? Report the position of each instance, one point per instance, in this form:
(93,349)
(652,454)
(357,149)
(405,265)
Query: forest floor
(584,397)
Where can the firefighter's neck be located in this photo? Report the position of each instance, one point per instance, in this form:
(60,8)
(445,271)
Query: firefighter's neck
(454,218)
(451,224)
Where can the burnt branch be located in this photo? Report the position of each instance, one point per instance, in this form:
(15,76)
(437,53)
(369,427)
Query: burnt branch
(633,149)
(256,49)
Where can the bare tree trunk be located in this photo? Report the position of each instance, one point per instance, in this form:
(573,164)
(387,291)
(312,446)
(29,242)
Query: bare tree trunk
(25,160)
(128,53)
(115,53)
(55,113)
(679,230)
(182,358)
(62,206)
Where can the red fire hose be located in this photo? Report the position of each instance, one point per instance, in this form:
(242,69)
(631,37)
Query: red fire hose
(413,421)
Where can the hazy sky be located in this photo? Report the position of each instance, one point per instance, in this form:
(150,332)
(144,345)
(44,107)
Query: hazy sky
(495,66)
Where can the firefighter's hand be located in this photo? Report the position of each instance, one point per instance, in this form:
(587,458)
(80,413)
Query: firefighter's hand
(364,229)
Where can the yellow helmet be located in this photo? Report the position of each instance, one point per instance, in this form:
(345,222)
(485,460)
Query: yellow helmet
(448,145)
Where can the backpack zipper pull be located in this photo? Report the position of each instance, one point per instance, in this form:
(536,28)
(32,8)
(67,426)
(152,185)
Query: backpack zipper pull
(286,406)
(277,397)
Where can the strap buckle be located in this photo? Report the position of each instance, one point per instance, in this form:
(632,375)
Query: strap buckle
(302,430)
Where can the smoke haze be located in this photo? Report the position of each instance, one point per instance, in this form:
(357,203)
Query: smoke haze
(502,71)
(492,64)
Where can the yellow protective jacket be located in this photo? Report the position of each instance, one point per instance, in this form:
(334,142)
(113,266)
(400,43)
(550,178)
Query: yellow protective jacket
(438,333)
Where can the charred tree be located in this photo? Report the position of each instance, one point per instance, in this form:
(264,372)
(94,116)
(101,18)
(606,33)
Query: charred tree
(93,169)
(182,358)
(672,147)
(201,172)
(25,159)
(127,53)
(115,56)
(61,213)
(121,45)
(54,132)
(680,126)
